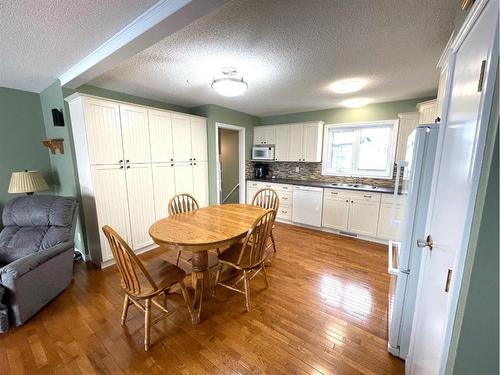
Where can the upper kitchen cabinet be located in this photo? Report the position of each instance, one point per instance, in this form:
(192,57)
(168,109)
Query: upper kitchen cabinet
(135,134)
(160,130)
(189,138)
(264,135)
(428,111)
(407,123)
(294,142)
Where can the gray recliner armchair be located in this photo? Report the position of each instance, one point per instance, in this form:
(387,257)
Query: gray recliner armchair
(36,252)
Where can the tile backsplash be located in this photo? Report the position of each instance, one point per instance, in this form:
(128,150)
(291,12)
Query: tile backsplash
(312,172)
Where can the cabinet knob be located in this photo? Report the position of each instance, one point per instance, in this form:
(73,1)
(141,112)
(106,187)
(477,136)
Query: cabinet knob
(190,163)
(172,165)
(128,166)
(171,159)
(121,161)
(194,163)
(347,200)
(121,166)
(190,158)
(352,201)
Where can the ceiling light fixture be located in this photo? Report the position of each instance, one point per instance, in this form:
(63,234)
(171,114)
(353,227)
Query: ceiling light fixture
(346,86)
(229,85)
(355,102)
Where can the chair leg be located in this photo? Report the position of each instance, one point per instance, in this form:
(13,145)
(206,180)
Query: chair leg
(265,275)
(185,294)
(272,240)
(147,323)
(217,277)
(126,304)
(178,257)
(247,290)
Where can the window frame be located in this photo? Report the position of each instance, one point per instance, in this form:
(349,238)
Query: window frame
(349,126)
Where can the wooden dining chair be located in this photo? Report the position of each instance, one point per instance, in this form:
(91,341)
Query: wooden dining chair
(144,282)
(180,203)
(248,256)
(268,199)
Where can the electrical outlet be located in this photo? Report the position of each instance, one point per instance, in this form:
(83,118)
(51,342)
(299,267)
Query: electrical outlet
(297,169)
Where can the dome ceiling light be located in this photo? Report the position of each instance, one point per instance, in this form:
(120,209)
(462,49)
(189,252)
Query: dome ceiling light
(229,85)
(346,86)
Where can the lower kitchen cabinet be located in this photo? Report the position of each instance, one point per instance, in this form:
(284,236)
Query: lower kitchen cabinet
(363,217)
(284,192)
(386,228)
(335,210)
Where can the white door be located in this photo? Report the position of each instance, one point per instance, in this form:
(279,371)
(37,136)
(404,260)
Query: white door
(335,213)
(199,139)
(163,187)
(269,135)
(200,183)
(141,203)
(135,134)
(111,202)
(282,146)
(296,135)
(259,135)
(363,217)
(457,170)
(184,178)
(160,134)
(312,143)
(181,137)
(104,135)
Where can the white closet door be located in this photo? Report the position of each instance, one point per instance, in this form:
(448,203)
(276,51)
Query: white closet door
(199,139)
(111,203)
(104,138)
(141,203)
(160,131)
(312,135)
(164,188)
(135,134)
(296,134)
(184,178)
(181,137)
(200,183)
(282,146)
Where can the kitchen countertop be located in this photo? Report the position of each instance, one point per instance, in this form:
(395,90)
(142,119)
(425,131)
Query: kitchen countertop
(324,184)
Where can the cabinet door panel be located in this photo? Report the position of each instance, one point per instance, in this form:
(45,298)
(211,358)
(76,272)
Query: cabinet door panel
(111,203)
(183,178)
(296,134)
(141,203)
(363,218)
(163,187)
(335,213)
(312,143)
(135,134)
(200,183)
(386,229)
(259,135)
(181,137)
(270,135)
(199,139)
(160,131)
(250,194)
(282,146)
(104,135)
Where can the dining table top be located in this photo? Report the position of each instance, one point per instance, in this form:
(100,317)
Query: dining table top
(205,228)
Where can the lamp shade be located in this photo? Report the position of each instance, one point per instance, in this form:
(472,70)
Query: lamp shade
(27,182)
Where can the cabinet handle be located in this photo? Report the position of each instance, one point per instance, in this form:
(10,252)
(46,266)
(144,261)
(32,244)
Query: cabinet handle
(171,159)
(194,163)
(333,192)
(128,166)
(190,158)
(194,158)
(367,196)
(284,212)
(347,200)
(190,163)
(126,161)
(172,165)
(284,198)
(352,201)
(121,161)
(121,166)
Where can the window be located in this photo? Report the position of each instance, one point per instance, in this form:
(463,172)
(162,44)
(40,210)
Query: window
(360,149)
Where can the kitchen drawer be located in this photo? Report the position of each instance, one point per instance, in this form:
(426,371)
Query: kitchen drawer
(335,194)
(285,197)
(255,185)
(388,199)
(283,187)
(284,212)
(362,196)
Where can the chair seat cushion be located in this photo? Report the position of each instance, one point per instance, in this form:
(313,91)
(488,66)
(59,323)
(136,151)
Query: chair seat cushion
(163,273)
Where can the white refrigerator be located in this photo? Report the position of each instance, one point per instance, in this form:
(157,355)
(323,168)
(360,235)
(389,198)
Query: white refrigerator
(413,182)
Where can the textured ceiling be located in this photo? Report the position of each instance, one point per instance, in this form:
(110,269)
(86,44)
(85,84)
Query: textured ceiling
(41,39)
(290,51)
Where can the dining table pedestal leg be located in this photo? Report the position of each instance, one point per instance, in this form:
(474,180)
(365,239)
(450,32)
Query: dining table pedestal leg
(200,282)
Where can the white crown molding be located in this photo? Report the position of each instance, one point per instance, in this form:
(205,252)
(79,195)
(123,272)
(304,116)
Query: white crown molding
(159,21)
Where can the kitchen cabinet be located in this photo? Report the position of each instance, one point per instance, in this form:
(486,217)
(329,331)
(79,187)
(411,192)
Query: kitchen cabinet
(282,146)
(335,210)
(428,111)
(363,217)
(296,142)
(407,123)
(284,192)
(264,135)
(312,142)
(164,187)
(135,134)
(387,229)
(160,133)
(181,137)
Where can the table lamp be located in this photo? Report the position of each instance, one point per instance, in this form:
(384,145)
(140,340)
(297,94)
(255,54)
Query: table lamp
(27,182)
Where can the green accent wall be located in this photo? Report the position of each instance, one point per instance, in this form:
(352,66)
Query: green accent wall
(215,113)
(21,132)
(373,112)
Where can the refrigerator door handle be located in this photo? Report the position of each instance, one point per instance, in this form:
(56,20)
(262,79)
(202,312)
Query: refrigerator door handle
(391,269)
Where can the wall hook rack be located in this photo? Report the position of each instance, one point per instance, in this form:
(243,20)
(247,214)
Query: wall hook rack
(54,144)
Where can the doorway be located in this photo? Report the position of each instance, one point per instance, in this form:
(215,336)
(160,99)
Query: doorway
(230,164)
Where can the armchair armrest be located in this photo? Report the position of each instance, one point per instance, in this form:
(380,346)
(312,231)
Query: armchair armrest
(23,265)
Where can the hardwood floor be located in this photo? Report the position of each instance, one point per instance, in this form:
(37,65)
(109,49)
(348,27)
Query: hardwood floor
(325,312)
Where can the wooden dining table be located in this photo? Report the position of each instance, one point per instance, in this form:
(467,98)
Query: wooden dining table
(204,229)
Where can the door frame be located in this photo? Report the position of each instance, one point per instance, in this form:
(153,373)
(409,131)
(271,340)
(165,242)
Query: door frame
(241,158)
(465,254)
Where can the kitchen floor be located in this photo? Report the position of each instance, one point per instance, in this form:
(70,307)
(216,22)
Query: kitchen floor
(325,312)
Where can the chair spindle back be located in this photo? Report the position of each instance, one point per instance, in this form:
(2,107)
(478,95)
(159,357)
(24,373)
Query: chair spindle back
(266,198)
(253,251)
(182,203)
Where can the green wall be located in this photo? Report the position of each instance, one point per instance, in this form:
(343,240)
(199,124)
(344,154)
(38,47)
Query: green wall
(21,132)
(214,114)
(373,112)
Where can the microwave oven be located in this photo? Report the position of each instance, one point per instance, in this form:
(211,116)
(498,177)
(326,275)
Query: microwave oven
(263,153)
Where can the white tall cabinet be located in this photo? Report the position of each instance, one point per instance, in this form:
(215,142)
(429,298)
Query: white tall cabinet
(131,160)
